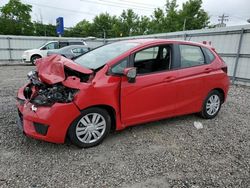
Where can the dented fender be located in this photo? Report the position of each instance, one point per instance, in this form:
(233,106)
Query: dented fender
(75,83)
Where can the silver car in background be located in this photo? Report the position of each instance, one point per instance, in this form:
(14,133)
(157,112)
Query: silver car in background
(71,51)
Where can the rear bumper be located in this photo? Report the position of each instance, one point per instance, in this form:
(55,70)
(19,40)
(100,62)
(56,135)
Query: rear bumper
(45,123)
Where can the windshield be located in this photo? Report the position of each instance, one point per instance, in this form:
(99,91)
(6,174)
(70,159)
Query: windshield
(42,45)
(100,56)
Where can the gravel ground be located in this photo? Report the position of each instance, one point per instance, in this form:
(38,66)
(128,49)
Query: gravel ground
(167,153)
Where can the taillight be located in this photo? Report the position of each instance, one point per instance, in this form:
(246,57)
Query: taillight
(224,69)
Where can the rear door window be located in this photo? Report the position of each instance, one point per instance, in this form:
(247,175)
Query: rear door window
(191,56)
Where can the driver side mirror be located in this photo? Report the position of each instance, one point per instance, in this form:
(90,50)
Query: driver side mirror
(130,73)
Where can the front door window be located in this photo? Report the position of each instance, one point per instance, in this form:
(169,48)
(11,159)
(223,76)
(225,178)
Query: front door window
(153,59)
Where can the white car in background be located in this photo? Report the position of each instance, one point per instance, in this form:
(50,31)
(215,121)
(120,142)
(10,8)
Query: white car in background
(30,56)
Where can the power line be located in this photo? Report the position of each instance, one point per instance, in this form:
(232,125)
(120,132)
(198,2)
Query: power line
(68,10)
(119,5)
(237,17)
(127,3)
(77,11)
(150,5)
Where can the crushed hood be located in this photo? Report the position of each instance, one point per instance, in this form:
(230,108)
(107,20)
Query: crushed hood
(51,69)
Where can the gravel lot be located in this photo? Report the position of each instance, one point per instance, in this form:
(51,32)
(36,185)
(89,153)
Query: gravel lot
(167,153)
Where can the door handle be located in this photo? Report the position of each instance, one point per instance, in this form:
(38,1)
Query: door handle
(169,79)
(208,70)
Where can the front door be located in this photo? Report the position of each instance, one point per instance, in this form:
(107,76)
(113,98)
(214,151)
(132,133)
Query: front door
(153,94)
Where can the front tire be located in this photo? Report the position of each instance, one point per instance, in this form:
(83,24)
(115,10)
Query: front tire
(90,128)
(34,58)
(211,105)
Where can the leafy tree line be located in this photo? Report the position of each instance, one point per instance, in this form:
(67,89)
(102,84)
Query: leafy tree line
(15,19)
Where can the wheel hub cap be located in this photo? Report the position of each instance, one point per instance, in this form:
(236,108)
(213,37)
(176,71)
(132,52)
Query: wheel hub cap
(213,105)
(90,128)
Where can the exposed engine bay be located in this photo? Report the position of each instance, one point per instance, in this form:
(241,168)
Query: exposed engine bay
(48,83)
(43,94)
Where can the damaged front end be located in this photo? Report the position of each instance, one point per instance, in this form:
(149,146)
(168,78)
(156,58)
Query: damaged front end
(46,85)
(42,94)
(50,94)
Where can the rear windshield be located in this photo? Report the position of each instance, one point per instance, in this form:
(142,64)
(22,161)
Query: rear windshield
(100,56)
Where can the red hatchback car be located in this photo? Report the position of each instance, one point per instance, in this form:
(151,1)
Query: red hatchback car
(120,85)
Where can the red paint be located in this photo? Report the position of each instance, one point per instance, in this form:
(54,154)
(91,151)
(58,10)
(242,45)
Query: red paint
(51,68)
(152,97)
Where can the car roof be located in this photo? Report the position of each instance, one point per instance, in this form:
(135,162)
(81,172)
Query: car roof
(151,41)
(143,43)
(52,41)
(75,46)
(69,41)
(70,47)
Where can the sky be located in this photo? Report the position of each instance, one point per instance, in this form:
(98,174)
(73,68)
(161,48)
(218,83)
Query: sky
(74,11)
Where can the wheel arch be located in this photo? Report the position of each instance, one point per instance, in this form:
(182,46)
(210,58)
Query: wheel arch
(35,55)
(221,91)
(111,111)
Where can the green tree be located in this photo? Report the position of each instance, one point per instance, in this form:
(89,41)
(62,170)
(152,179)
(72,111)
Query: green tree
(116,28)
(15,18)
(190,16)
(102,25)
(82,29)
(41,29)
(129,21)
(193,15)
(172,18)
(143,25)
(158,22)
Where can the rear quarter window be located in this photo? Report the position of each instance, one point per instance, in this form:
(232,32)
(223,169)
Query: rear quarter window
(210,55)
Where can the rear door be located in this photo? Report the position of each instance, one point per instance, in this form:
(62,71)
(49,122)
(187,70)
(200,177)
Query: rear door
(193,70)
(153,95)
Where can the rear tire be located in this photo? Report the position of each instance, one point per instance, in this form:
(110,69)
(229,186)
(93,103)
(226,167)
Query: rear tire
(211,105)
(90,128)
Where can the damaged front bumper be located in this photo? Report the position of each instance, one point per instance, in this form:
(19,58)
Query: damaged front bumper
(46,105)
(48,123)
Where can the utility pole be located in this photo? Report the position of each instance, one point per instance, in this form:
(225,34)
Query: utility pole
(223,18)
(184,24)
(104,36)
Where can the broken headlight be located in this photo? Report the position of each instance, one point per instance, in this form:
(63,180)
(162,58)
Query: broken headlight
(33,77)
